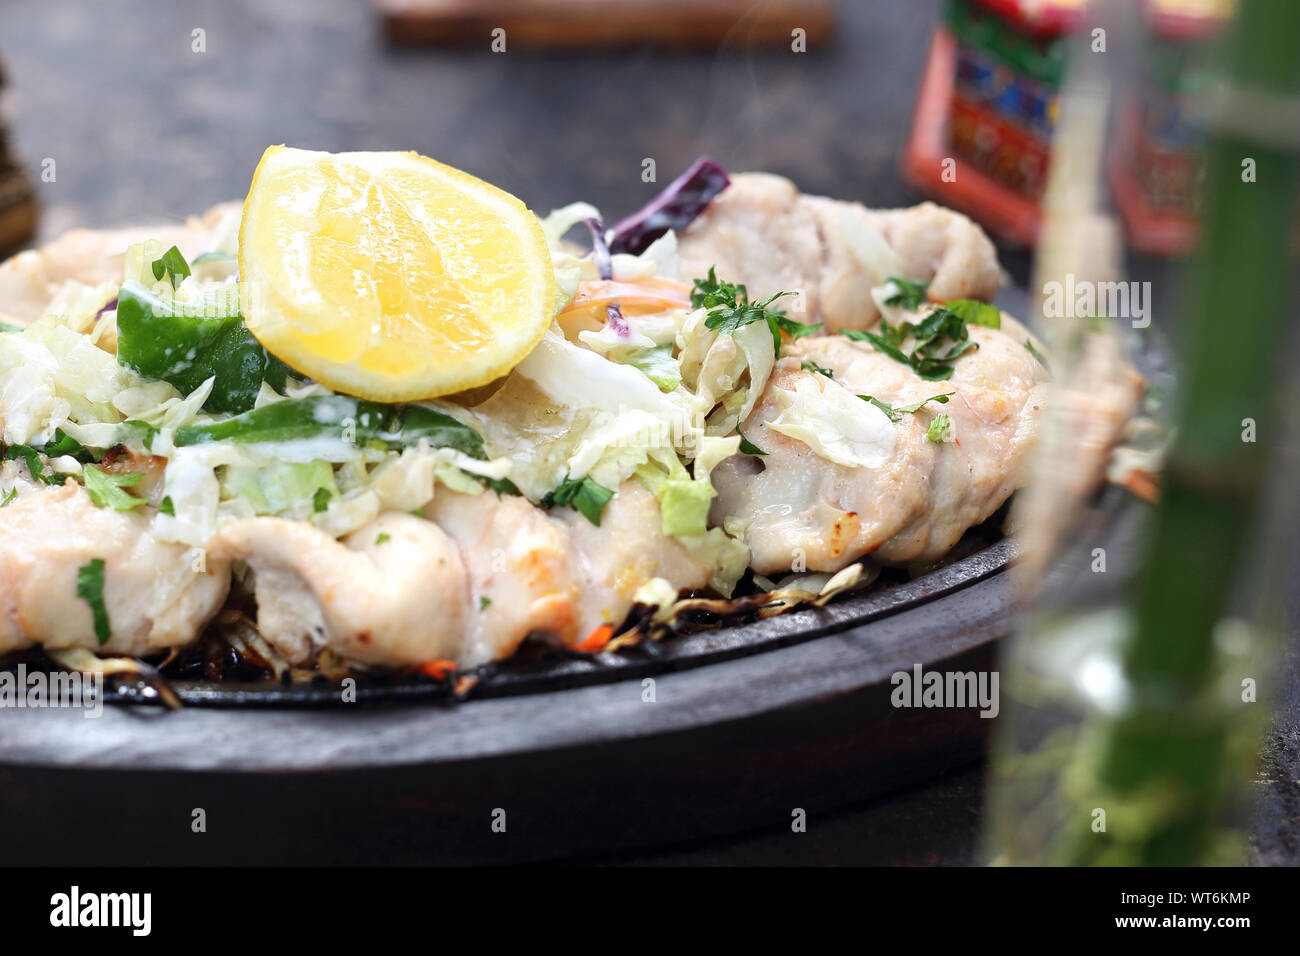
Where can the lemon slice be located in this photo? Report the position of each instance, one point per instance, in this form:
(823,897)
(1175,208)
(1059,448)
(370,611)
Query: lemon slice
(390,276)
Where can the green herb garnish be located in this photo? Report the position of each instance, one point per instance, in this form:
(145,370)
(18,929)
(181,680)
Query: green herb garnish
(910,295)
(582,495)
(938,340)
(381,538)
(105,488)
(730,309)
(938,430)
(13,493)
(1038,356)
(895,412)
(484,603)
(502,486)
(320,501)
(166,507)
(810,366)
(34,464)
(747,447)
(173,265)
(90,588)
(975,312)
(63,445)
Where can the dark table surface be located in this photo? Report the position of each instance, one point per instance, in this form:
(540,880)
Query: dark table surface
(143,128)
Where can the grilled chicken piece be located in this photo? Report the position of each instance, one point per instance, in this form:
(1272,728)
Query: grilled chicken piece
(612,561)
(30,280)
(393,592)
(467,585)
(891,492)
(154,596)
(519,579)
(761,231)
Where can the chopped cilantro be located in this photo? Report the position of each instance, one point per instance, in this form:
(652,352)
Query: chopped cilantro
(582,495)
(975,312)
(1038,356)
(929,358)
(173,265)
(63,445)
(320,501)
(166,507)
(105,488)
(484,603)
(895,412)
(381,538)
(13,493)
(747,447)
(910,295)
(729,310)
(810,366)
(502,486)
(90,588)
(34,464)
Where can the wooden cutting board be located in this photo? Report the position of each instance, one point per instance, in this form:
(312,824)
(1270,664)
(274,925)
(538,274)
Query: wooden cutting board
(598,24)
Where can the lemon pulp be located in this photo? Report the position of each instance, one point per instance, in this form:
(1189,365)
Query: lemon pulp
(390,276)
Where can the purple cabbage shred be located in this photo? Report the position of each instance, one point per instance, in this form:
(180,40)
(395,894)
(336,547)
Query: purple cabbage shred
(676,207)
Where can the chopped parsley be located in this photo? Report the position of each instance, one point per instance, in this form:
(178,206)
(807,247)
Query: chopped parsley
(938,430)
(166,507)
(910,295)
(938,340)
(63,445)
(172,265)
(582,495)
(747,447)
(1038,356)
(484,603)
(895,412)
(90,588)
(35,466)
(13,493)
(975,312)
(809,366)
(381,538)
(105,488)
(502,486)
(729,310)
(320,501)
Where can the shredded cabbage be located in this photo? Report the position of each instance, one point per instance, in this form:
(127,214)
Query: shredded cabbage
(834,423)
(566,412)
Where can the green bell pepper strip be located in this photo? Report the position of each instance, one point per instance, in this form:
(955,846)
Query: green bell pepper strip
(185,343)
(339,416)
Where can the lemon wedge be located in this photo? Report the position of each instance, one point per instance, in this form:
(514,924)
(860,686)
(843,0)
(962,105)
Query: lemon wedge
(389,276)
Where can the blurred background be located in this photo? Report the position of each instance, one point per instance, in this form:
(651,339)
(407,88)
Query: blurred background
(142,127)
(121,112)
